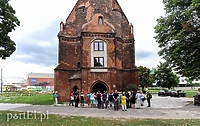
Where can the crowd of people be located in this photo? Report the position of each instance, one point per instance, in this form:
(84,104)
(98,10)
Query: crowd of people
(110,100)
(113,100)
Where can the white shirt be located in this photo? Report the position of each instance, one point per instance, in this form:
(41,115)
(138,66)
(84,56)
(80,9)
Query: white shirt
(92,97)
(138,96)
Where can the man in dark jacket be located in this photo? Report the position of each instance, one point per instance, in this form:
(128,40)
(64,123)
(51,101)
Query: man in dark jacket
(149,96)
(115,99)
(77,99)
(99,99)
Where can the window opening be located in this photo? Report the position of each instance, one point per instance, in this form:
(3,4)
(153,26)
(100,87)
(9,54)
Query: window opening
(100,20)
(78,65)
(98,46)
(98,61)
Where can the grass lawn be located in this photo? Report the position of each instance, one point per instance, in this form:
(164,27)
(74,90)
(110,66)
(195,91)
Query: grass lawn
(7,118)
(37,99)
(190,93)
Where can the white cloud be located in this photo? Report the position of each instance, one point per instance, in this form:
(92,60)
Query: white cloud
(39,15)
(41,43)
(150,62)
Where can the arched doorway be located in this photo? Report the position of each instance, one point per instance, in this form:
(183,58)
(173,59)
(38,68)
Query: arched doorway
(75,88)
(99,86)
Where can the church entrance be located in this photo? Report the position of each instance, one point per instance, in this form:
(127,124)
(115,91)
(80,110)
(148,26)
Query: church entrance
(75,88)
(99,86)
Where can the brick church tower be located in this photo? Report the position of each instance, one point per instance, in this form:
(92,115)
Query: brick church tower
(96,50)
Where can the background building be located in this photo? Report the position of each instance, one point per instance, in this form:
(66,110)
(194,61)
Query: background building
(45,80)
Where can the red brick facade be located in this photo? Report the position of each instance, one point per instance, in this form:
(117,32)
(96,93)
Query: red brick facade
(96,49)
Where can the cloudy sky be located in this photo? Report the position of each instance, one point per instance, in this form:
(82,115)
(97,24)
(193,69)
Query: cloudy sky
(36,37)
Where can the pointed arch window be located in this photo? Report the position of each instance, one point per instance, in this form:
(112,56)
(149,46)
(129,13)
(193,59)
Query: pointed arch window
(100,21)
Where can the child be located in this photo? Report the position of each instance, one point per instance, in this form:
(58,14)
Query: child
(55,99)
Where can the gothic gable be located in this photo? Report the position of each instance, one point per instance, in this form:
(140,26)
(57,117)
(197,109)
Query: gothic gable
(88,14)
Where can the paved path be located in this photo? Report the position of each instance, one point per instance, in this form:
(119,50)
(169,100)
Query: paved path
(162,107)
(11,106)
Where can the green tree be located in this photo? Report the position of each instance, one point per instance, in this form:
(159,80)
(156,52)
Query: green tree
(190,82)
(164,76)
(131,88)
(8,22)
(178,35)
(146,79)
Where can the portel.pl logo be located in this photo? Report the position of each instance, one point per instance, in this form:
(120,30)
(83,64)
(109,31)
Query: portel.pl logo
(28,115)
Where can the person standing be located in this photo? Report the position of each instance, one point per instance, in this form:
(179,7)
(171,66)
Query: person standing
(149,96)
(71,99)
(55,95)
(142,98)
(77,99)
(127,99)
(138,99)
(123,102)
(115,99)
(92,100)
(99,99)
(110,100)
(88,98)
(119,99)
(133,99)
(105,99)
(82,99)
